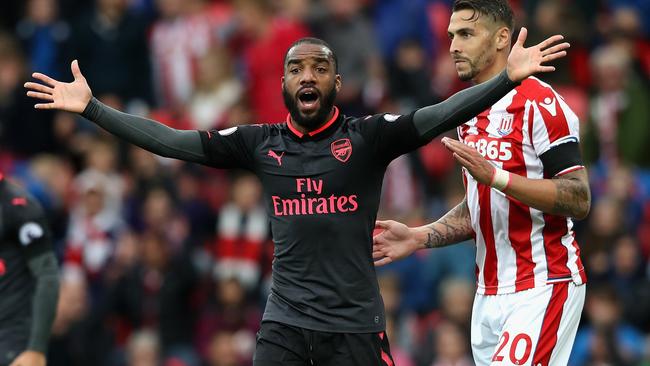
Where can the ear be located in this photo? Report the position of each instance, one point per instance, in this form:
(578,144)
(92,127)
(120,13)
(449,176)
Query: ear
(338,83)
(503,38)
(282,80)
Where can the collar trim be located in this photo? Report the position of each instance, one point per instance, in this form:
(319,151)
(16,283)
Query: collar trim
(322,128)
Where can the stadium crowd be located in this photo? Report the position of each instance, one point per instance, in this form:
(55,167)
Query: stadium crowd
(165,263)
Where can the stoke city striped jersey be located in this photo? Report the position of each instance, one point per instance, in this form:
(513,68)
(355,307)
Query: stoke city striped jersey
(519,247)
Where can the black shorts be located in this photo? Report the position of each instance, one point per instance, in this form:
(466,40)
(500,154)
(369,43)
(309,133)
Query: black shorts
(280,344)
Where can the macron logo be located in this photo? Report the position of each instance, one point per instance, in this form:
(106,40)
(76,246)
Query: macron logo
(276,156)
(549,105)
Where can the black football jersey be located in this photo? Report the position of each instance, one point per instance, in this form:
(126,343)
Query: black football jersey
(23,234)
(321,191)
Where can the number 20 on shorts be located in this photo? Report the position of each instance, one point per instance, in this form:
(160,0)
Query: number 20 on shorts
(506,343)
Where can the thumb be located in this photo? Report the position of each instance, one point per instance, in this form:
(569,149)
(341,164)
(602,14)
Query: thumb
(523,34)
(76,72)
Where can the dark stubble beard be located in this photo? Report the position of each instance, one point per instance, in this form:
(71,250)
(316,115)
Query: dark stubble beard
(476,65)
(315,121)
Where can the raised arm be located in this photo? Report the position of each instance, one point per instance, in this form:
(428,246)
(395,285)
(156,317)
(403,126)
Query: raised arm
(523,62)
(150,135)
(398,241)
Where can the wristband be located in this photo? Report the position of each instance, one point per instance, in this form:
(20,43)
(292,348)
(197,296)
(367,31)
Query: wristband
(500,179)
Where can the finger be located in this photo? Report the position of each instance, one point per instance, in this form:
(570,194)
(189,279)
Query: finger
(555,56)
(556,48)
(462,161)
(382,224)
(44,78)
(383,262)
(38,87)
(550,41)
(451,146)
(545,69)
(377,255)
(38,95)
(523,34)
(44,106)
(76,71)
(462,149)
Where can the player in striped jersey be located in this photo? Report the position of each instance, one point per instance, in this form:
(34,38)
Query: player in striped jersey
(524,182)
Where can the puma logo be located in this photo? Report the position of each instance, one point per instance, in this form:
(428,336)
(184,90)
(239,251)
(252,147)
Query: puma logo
(276,156)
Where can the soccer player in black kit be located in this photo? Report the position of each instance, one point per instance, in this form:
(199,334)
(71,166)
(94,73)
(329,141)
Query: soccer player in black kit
(321,173)
(29,280)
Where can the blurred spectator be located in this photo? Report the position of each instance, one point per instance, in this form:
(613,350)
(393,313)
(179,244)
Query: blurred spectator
(183,34)
(569,18)
(156,294)
(396,324)
(451,346)
(223,350)
(143,349)
(216,93)
(191,187)
(110,44)
(44,37)
(242,233)
(618,130)
(606,340)
(397,20)
(345,27)
(265,40)
(23,130)
(628,278)
(93,229)
(410,79)
(229,311)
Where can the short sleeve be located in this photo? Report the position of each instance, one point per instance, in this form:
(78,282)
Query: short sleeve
(555,133)
(390,135)
(233,147)
(553,122)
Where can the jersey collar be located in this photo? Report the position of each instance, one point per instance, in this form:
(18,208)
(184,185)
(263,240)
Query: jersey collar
(322,128)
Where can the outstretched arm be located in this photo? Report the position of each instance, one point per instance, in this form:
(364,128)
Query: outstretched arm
(523,62)
(77,97)
(398,241)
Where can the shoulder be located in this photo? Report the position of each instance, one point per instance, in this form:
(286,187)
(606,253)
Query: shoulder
(372,119)
(18,202)
(536,90)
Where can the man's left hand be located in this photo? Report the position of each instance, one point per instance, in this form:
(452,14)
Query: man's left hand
(469,158)
(29,358)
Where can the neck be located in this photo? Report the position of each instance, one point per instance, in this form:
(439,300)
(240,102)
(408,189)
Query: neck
(492,70)
(306,130)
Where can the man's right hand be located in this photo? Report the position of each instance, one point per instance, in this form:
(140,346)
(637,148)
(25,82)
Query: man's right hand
(71,97)
(395,242)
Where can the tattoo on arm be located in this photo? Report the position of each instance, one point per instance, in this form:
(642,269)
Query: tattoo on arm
(573,197)
(454,227)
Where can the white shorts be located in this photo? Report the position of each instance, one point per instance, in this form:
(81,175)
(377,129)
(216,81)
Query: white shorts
(533,327)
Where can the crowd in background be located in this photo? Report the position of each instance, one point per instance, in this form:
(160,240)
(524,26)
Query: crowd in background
(166,263)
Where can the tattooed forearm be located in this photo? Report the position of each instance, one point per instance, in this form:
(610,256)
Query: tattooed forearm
(454,227)
(573,197)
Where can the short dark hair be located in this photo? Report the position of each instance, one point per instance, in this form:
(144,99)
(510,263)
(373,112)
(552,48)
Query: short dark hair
(316,41)
(499,10)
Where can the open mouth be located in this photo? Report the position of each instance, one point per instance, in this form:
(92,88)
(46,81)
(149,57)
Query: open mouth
(308,99)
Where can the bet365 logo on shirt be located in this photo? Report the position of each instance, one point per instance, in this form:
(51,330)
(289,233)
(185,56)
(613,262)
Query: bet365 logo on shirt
(493,149)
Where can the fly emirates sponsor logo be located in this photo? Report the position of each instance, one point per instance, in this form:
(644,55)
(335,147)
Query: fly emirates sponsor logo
(311,201)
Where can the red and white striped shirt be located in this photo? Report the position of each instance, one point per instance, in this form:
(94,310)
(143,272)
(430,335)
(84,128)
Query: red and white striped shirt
(519,247)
